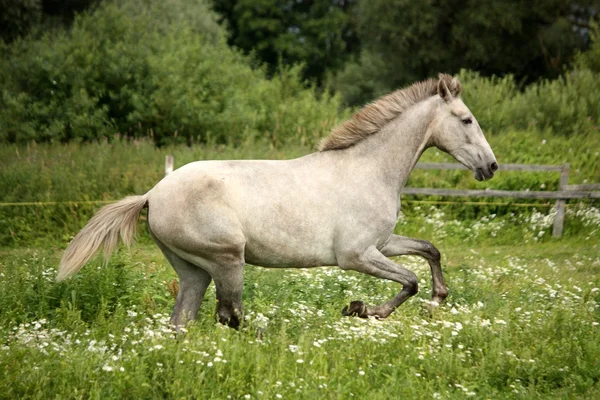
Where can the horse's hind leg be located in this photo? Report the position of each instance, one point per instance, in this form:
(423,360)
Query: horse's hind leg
(214,240)
(193,282)
(225,265)
(401,245)
(229,284)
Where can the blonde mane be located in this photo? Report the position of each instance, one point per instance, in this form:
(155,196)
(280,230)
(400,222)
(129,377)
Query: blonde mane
(374,116)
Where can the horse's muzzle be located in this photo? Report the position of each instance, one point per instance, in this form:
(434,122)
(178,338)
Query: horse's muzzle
(483,175)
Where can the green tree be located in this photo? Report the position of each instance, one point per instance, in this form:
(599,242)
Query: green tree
(316,33)
(411,40)
(19,17)
(139,67)
(591,58)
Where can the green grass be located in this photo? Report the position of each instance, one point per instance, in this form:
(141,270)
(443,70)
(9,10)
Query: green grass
(521,321)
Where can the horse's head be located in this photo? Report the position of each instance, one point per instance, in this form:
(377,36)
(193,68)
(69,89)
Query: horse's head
(456,131)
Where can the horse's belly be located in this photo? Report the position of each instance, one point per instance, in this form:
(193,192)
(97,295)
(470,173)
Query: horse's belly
(284,249)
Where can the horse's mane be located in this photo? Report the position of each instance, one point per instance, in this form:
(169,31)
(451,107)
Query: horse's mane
(374,116)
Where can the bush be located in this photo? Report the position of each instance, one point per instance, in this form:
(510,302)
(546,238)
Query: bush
(590,59)
(158,68)
(565,106)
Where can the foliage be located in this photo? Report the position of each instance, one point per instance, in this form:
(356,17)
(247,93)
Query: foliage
(317,34)
(158,68)
(590,59)
(564,106)
(22,17)
(360,48)
(409,40)
(18,17)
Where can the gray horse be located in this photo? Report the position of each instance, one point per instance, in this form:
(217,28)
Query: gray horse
(337,206)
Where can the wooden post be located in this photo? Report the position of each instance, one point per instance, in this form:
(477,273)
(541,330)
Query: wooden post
(559,219)
(168,164)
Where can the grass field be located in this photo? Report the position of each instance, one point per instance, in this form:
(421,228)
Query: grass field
(521,321)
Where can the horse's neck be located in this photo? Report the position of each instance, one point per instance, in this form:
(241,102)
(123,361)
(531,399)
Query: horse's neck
(395,150)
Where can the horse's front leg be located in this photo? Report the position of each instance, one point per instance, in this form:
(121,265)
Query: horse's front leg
(401,245)
(374,263)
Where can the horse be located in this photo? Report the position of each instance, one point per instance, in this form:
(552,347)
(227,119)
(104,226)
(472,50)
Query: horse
(337,206)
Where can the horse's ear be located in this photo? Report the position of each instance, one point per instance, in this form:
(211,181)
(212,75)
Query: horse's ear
(455,87)
(443,89)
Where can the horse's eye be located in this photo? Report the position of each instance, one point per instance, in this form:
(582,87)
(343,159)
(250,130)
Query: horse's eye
(467,121)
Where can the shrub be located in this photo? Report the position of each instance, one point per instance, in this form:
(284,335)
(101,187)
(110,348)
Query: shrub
(590,59)
(158,68)
(565,106)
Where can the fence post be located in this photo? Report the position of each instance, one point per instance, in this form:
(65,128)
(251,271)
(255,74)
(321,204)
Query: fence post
(559,219)
(168,164)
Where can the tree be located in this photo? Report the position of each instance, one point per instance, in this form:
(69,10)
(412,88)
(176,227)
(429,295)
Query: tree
(412,40)
(151,67)
(19,17)
(316,33)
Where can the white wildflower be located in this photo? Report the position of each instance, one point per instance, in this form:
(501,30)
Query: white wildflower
(293,348)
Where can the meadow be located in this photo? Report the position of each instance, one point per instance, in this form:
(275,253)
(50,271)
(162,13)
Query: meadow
(522,319)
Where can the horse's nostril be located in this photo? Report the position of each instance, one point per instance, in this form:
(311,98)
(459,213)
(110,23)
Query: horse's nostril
(494,167)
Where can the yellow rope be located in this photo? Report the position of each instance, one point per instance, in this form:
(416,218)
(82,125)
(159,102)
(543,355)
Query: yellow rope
(53,203)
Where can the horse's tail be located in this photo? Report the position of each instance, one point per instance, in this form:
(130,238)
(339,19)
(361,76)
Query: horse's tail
(103,230)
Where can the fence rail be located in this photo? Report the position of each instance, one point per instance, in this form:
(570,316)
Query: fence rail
(564,192)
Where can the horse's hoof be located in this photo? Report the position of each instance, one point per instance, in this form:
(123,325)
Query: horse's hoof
(232,321)
(355,309)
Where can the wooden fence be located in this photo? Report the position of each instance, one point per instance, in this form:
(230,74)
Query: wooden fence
(564,192)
